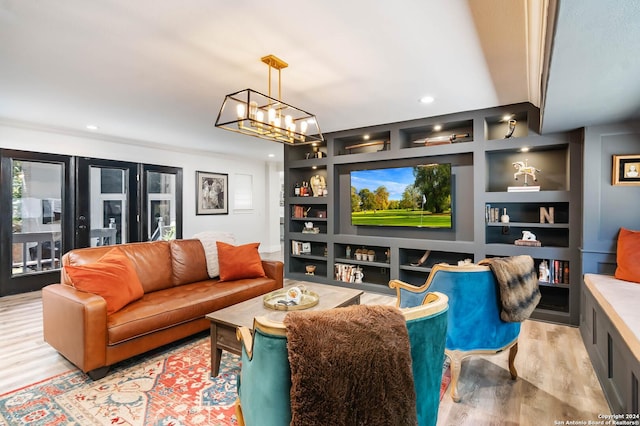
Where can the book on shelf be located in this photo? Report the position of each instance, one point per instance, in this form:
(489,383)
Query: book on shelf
(298,212)
(557,271)
(300,247)
(528,243)
(345,272)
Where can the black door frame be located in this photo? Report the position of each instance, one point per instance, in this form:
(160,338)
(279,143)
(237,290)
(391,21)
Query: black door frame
(31,282)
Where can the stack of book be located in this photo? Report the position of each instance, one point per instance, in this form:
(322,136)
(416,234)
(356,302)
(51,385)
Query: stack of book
(345,272)
(558,272)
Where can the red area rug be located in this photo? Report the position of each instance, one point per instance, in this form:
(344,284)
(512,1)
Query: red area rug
(167,387)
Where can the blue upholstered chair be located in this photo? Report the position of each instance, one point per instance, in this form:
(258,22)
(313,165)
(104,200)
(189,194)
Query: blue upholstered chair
(474,326)
(265,378)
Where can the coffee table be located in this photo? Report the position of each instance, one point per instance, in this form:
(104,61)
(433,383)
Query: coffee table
(224,322)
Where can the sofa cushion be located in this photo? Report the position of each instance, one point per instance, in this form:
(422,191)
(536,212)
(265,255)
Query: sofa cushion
(628,256)
(113,277)
(177,305)
(238,262)
(209,240)
(188,262)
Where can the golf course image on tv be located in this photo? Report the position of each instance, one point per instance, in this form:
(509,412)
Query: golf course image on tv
(418,196)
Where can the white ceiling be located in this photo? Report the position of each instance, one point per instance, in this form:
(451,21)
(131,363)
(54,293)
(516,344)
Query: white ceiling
(150,71)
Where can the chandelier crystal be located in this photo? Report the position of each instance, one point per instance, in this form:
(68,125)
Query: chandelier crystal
(255,114)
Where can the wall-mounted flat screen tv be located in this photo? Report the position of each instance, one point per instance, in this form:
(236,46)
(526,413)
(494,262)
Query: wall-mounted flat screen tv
(418,196)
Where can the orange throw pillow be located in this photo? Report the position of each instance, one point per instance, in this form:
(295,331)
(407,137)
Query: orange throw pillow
(113,277)
(237,262)
(628,256)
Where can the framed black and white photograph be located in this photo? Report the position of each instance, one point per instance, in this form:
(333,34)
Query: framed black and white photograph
(626,170)
(211,193)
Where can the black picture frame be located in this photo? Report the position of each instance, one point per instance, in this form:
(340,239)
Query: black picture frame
(212,193)
(626,170)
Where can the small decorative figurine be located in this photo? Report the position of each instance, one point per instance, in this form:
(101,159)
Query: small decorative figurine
(524,169)
(317,185)
(510,129)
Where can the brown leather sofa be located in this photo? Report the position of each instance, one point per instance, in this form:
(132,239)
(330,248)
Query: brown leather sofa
(178,293)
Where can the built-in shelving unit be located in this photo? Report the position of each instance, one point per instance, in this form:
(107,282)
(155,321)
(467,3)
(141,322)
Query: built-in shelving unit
(482,147)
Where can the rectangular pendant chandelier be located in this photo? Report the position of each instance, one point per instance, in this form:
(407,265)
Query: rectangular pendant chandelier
(255,114)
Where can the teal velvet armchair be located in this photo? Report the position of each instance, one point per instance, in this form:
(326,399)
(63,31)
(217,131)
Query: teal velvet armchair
(265,379)
(475,326)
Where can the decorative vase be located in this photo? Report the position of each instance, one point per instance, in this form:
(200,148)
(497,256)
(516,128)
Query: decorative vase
(505,217)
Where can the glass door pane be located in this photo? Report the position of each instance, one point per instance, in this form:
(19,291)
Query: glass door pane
(161,202)
(108,206)
(36,217)
(161,207)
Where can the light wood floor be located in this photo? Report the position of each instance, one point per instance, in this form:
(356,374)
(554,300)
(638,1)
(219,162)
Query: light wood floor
(556,381)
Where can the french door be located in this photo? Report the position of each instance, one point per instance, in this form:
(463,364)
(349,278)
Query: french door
(50,204)
(36,218)
(107,203)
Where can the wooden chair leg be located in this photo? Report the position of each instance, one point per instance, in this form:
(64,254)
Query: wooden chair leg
(513,351)
(239,416)
(456,364)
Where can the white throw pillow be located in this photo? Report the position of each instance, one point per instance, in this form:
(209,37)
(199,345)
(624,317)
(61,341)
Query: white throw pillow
(208,240)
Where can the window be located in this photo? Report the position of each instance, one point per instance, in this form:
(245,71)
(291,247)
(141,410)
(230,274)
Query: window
(243,193)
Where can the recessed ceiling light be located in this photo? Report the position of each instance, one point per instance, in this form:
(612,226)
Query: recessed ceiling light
(314,167)
(366,137)
(437,128)
(524,149)
(271,155)
(427,99)
(92,127)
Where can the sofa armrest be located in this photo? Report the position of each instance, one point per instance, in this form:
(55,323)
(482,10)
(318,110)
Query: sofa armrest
(275,270)
(75,324)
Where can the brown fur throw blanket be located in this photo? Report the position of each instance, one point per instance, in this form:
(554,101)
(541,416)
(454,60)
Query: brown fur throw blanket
(350,366)
(518,282)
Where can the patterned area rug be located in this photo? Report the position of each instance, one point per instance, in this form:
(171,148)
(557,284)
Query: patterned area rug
(166,387)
